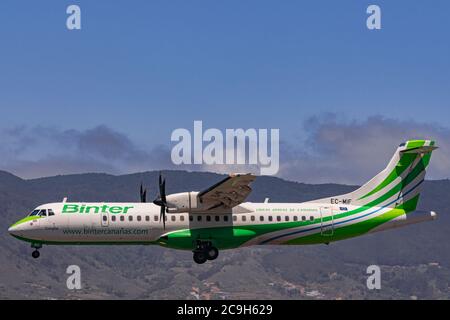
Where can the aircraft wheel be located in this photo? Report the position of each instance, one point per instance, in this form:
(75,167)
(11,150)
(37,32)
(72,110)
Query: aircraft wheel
(212,253)
(200,257)
(35,254)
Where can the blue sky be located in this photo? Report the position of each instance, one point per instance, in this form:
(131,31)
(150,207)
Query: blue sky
(145,68)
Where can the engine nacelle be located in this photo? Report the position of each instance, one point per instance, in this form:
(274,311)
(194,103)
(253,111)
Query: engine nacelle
(183,202)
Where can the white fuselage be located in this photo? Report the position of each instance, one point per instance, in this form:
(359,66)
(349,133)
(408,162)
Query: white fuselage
(140,222)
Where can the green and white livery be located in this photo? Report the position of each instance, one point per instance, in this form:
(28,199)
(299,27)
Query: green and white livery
(217,218)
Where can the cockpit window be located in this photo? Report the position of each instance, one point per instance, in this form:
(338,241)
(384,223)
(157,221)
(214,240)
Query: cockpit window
(34,213)
(50,212)
(43,213)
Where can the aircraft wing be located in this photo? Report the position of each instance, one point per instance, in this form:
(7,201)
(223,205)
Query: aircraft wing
(228,193)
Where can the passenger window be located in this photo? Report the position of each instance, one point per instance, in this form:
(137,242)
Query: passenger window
(130,218)
(295,218)
(234,218)
(244,218)
(181,218)
(155,218)
(113,218)
(304,218)
(199,218)
(217,218)
(311,218)
(278,218)
(225,218)
(191,218)
(270,218)
(173,218)
(50,212)
(208,218)
(105,218)
(286,218)
(261,218)
(43,213)
(147,218)
(252,218)
(138,218)
(122,218)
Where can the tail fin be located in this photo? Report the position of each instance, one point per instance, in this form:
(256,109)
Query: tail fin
(399,183)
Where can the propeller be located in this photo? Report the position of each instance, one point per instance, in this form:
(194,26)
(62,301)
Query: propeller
(161,200)
(143,194)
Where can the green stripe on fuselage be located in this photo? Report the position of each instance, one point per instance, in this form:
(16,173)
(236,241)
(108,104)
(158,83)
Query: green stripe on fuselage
(232,237)
(227,237)
(26,219)
(358,228)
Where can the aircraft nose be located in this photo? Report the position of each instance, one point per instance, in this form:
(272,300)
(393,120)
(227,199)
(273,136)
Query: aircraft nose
(12,230)
(16,229)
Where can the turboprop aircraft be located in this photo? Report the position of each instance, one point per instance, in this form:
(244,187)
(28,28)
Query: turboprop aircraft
(217,218)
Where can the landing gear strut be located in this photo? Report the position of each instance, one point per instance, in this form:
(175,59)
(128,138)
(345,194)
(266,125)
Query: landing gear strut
(35,254)
(205,251)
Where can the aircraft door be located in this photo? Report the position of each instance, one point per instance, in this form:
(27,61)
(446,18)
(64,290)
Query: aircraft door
(326,221)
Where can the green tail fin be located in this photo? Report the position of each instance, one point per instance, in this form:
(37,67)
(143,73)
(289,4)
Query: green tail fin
(399,183)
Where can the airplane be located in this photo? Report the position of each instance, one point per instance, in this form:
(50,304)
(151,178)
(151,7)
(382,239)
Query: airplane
(217,218)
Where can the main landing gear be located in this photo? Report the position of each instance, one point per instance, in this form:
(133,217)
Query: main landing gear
(205,251)
(35,254)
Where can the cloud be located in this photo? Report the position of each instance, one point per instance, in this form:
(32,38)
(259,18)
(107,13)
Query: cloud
(31,152)
(330,149)
(352,152)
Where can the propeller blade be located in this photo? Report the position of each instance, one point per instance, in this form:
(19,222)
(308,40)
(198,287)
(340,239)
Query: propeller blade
(162,216)
(143,194)
(161,200)
(163,192)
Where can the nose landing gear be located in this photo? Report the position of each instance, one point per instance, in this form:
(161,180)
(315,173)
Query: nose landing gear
(205,251)
(35,254)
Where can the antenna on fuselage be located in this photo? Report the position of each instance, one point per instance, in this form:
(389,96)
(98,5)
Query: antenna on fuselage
(266,200)
(64,200)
